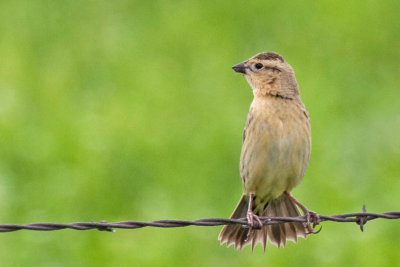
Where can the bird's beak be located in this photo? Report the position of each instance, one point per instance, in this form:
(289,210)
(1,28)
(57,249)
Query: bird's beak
(241,67)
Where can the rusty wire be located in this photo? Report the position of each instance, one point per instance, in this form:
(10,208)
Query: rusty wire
(360,218)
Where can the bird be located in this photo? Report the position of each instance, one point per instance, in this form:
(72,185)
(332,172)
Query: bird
(276,149)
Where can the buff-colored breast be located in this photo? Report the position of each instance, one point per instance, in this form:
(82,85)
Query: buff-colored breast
(276,147)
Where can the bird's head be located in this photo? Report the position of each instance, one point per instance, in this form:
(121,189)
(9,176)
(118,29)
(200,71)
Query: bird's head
(269,74)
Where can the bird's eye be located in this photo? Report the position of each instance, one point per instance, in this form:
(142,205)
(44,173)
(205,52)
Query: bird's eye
(259,66)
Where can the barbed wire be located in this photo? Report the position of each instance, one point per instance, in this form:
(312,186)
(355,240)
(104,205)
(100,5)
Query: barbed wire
(361,218)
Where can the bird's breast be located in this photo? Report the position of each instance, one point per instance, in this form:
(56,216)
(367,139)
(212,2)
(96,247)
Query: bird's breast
(276,146)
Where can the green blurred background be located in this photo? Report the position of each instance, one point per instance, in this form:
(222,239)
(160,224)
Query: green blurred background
(118,110)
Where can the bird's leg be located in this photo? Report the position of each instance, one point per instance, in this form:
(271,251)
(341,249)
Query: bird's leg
(310,215)
(251,216)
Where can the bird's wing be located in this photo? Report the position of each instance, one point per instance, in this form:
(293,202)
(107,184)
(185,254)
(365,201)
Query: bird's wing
(248,121)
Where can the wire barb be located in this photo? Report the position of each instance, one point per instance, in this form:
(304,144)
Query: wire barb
(360,218)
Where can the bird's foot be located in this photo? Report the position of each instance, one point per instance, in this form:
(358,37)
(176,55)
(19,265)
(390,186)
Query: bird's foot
(254,223)
(311,216)
(251,217)
(250,220)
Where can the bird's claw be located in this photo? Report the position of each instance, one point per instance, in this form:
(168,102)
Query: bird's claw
(254,222)
(250,220)
(312,217)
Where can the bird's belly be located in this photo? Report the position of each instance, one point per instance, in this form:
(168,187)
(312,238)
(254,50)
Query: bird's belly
(273,160)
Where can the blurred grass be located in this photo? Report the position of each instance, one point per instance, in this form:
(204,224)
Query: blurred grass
(129,110)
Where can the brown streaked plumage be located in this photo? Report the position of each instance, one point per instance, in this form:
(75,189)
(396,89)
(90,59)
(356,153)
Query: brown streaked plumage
(275,153)
(269,56)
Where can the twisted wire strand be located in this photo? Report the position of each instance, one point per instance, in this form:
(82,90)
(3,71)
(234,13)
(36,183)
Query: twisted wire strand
(360,218)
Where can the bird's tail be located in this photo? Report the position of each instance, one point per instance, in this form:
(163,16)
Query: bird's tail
(277,233)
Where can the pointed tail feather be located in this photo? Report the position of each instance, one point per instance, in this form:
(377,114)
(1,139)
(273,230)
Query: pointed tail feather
(235,233)
(276,233)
